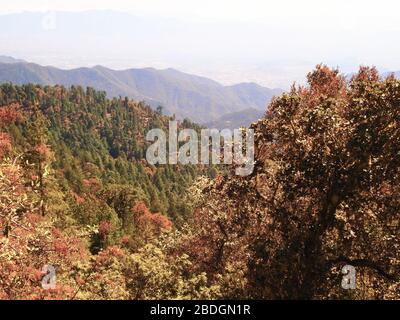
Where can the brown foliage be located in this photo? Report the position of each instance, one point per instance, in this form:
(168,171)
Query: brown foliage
(325,192)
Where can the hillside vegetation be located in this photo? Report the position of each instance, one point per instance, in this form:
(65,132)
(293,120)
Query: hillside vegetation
(76,194)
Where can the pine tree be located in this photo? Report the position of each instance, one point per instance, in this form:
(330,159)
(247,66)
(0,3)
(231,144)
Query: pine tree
(38,154)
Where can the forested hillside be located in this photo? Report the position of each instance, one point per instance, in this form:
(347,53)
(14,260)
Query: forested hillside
(96,142)
(74,182)
(76,194)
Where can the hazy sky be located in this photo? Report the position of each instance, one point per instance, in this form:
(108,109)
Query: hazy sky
(248,10)
(270,42)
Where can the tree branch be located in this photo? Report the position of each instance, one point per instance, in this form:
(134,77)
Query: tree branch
(368,264)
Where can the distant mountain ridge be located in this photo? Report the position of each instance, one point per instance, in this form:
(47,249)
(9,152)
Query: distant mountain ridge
(8,59)
(396,74)
(185,95)
(237,119)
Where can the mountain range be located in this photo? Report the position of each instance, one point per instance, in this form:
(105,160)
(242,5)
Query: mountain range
(187,96)
(235,120)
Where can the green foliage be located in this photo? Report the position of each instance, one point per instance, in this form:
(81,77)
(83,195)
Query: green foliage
(97,144)
(78,163)
(151,274)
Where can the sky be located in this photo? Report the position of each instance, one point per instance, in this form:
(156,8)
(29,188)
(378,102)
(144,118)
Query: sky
(249,10)
(270,42)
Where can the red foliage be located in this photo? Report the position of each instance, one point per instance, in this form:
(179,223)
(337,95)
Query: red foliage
(10,114)
(33,218)
(92,184)
(79,199)
(150,224)
(139,209)
(325,81)
(43,151)
(158,221)
(125,240)
(105,257)
(32,247)
(366,74)
(105,228)
(5,144)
